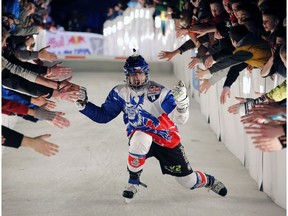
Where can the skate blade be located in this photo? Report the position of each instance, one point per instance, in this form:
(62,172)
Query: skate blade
(127,200)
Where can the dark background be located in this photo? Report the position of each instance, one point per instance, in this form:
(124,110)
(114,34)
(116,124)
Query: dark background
(91,14)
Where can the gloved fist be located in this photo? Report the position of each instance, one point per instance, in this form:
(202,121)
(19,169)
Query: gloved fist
(83,99)
(180,95)
(179,91)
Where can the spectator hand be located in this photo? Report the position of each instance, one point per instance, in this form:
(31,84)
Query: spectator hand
(209,62)
(266,136)
(192,64)
(54,118)
(204,86)
(266,131)
(43,113)
(44,55)
(57,71)
(69,92)
(270,109)
(200,74)
(253,118)
(41,146)
(60,121)
(41,100)
(166,55)
(67,82)
(267,144)
(234,108)
(225,92)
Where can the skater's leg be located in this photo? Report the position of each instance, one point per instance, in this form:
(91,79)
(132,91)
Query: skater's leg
(139,146)
(196,179)
(199,179)
(174,162)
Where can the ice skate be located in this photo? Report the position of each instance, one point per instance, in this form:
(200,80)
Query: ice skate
(130,192)
(216,186)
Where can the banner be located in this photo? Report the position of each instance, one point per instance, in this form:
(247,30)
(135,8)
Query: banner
(75,43)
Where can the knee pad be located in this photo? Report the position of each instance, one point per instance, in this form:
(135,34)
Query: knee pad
(139,146)
(140,143)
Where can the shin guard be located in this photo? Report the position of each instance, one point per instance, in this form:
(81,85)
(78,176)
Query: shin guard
(201,180)
(136,162)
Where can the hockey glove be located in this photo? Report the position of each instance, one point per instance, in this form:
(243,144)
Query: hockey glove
(83,99)
(244,108)
(180,96)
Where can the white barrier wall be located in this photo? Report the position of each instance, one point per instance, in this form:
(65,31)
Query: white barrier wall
(136,29)
(71,43)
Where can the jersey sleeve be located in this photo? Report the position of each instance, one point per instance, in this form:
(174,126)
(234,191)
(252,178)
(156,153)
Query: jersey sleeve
(168,103)
(109,110)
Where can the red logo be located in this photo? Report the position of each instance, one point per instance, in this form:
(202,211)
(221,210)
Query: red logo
(76,40)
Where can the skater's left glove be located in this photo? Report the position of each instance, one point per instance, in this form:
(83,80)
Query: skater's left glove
(180,96)
(83,99)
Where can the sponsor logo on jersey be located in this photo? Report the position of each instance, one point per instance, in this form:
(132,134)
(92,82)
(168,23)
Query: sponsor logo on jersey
(153,93)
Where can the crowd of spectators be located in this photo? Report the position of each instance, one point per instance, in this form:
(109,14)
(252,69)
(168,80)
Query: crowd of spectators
(231,36)
(29,88)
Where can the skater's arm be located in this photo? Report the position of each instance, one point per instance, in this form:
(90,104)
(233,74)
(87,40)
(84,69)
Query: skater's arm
(109,110)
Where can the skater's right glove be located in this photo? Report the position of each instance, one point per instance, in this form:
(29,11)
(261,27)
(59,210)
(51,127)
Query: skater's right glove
(180,96)
(83,99)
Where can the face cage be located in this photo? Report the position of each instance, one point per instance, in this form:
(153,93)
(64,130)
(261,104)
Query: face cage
(140,86)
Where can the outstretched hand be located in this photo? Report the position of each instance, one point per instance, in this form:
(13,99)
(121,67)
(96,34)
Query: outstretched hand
(200,74)
(40,145)
(266,136)
(59,121)
(225,93)
(44,55)
(192,64)
(57,71)
(166,55)
(234,108)
(204,86)
(41,100)
(69,92)
(209,62)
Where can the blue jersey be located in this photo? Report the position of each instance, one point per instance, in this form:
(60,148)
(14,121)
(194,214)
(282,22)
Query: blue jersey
(146,110)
